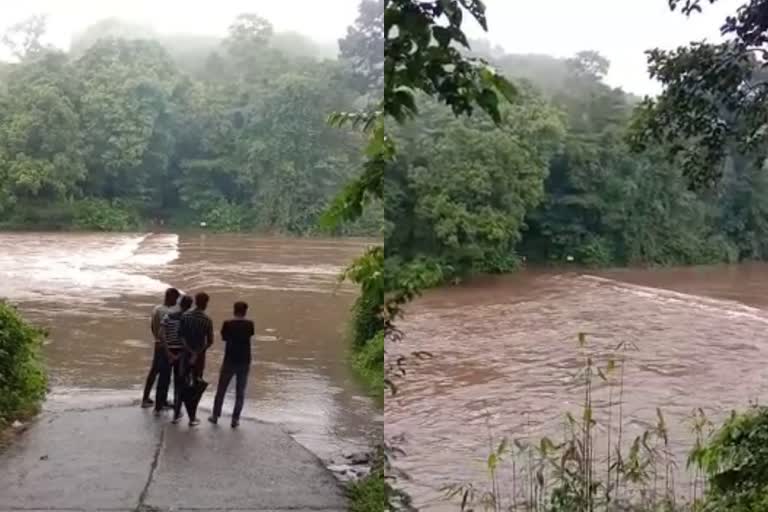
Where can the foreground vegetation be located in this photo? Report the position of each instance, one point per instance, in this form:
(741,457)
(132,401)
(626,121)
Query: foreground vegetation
(22,377)
(369,494)
(596,466)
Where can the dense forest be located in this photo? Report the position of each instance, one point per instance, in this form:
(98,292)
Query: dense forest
(130,127)
(560,181)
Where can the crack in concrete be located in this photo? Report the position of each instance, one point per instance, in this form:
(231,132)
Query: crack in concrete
(142,506)
(146,501)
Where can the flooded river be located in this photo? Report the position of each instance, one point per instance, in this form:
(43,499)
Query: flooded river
(94,293)
(505,352)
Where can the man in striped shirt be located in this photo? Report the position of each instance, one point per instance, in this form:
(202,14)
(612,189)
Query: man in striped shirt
(173,348)
(158,357)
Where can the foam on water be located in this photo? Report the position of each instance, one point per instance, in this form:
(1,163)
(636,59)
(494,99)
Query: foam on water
(86,268)
(727,308)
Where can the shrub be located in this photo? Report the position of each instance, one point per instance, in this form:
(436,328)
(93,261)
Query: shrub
(22,379)
(226,216)
(735,459)
(366,318)
(102,215)
(367,323)
(368,495)
(596,251)
(369,363)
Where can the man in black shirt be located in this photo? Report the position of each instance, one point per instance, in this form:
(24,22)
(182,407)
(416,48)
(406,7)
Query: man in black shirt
(197,333)
(237,334)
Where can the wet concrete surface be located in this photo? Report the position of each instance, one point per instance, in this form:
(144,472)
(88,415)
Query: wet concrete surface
(123,458)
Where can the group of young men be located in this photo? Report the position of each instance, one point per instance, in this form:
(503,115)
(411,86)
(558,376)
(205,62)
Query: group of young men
(183,334)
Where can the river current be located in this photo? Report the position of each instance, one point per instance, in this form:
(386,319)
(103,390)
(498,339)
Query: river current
(505,352)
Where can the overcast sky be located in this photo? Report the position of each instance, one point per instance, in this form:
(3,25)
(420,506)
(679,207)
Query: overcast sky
(619,29)
(322,20)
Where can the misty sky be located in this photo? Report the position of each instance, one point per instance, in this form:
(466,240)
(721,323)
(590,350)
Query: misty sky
(322,20)
(619,29)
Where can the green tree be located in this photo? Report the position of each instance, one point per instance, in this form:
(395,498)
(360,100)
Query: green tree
(298,160)
(714,97)
(131,125)
(246,46)
(363,48)
(124,109)
(108,28)
(205,169)
(24,39)
(460,189)
(248,34)
(743,212)
(41,147)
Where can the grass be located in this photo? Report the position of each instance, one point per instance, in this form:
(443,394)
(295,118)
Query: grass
(368,494)
(596,467)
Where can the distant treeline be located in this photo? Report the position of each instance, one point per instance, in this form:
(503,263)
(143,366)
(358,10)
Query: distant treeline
(130,127)
(558,182)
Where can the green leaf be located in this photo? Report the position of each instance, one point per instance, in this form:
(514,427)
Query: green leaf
(442,35)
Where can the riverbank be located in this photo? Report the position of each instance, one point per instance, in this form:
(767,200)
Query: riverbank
(124,458)
(98,216)
(193,228)
(368,494)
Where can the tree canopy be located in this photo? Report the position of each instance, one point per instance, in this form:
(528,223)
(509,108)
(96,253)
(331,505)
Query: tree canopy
(127,126)
(714,100)
(589,196)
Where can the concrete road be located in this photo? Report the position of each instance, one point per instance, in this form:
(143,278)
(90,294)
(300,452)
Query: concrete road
(123,458)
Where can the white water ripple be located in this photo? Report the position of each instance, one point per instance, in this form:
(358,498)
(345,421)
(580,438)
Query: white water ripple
(83,268)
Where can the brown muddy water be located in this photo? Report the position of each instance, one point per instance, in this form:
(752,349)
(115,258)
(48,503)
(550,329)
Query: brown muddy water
(505,353)
(94,293)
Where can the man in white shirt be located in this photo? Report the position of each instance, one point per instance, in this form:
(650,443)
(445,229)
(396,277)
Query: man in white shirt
(159,354)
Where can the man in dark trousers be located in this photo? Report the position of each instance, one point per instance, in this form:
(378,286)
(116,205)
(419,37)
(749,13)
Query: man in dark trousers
(236,334)
(159,355)
(197,334)
(174,352)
